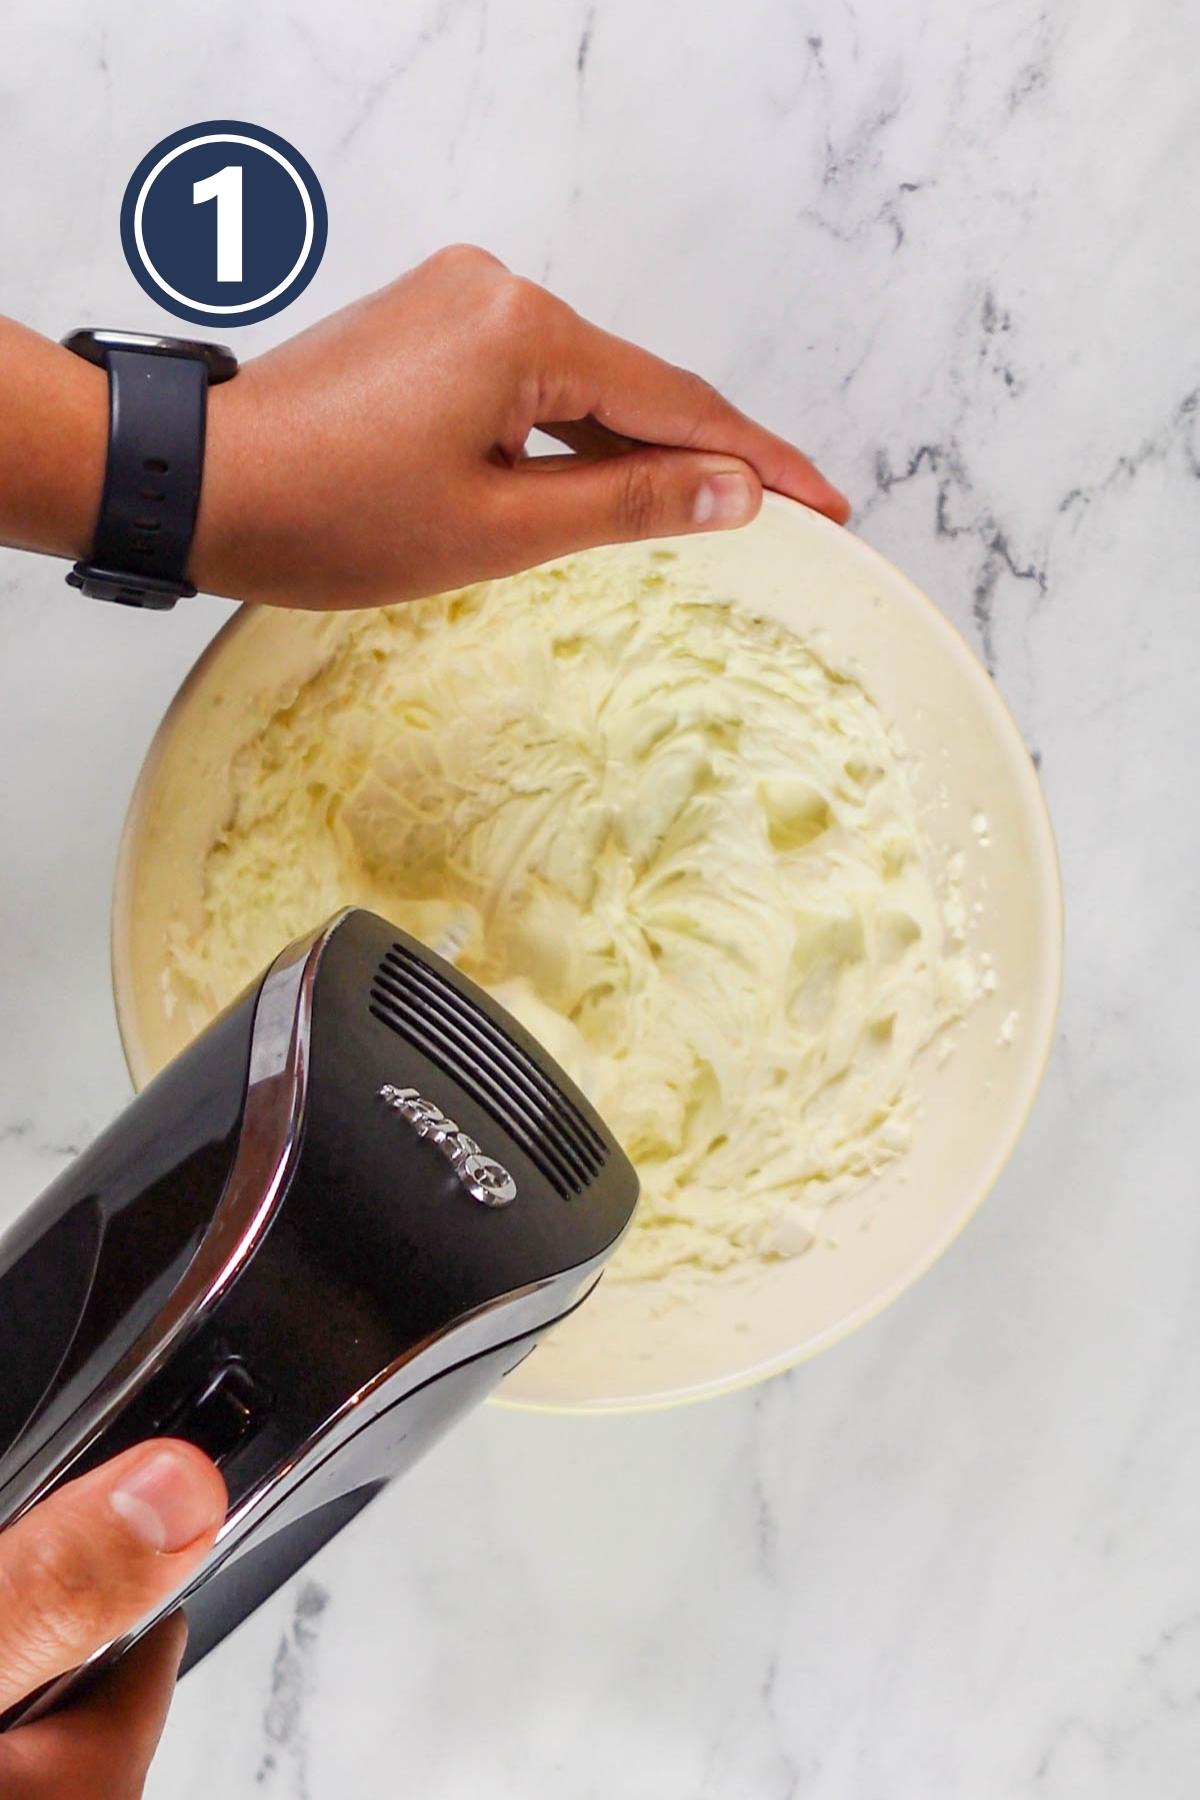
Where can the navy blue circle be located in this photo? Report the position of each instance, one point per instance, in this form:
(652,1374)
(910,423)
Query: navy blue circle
(180,233)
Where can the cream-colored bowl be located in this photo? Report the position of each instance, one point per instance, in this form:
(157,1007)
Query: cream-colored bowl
(624,1349)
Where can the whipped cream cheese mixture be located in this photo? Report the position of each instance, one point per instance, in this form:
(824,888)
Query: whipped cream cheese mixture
(673,841)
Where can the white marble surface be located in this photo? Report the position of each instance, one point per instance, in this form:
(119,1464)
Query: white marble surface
(953,249)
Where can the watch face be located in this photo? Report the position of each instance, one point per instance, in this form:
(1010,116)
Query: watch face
(95,345)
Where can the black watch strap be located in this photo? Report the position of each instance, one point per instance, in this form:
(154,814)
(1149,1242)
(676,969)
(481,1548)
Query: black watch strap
(157,407)
(156,414)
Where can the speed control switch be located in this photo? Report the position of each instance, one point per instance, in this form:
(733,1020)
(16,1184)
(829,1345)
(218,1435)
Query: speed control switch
(222,1412)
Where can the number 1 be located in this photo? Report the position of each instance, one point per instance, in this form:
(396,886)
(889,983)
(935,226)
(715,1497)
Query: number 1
(225,187)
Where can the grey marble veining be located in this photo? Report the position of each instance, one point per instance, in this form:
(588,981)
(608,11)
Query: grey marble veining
(953,250)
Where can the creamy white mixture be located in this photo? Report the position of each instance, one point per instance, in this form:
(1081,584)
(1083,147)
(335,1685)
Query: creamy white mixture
(684,852)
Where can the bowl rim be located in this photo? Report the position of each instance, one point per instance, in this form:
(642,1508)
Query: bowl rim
(1045,869)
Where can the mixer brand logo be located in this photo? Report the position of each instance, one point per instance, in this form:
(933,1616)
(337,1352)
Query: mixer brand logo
(484,1178)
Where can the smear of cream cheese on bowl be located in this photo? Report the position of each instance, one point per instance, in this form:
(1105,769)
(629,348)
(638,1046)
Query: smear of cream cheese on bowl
(673,839)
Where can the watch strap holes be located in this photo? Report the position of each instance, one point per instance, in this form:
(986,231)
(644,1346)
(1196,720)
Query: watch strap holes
(147,491)
(154,465)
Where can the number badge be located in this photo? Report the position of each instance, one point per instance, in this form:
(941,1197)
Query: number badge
(223,223)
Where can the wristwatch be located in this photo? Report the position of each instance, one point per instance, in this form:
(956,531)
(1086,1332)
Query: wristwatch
(157,405)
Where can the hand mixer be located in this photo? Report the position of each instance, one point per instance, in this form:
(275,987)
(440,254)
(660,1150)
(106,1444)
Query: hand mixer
(327,1229)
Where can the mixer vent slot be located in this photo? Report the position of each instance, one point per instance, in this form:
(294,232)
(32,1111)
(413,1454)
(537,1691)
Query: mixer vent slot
(419,1004)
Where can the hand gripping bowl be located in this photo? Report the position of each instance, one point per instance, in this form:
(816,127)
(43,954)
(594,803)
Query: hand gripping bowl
(625,1350)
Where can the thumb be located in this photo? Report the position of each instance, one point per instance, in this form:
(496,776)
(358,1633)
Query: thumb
(85,1565)
(571,503)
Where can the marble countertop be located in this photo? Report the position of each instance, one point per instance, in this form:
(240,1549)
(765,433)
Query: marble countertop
(953,251)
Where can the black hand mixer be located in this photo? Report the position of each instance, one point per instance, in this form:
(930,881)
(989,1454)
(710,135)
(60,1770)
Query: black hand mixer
(328,1228)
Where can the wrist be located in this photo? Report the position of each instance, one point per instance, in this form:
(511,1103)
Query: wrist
(53,445)
(223,545)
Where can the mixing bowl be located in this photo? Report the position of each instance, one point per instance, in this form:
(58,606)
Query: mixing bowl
(979,794)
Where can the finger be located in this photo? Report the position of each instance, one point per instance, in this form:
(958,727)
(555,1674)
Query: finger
(115,1728)
(579,501)
(83,1566)
(638,395)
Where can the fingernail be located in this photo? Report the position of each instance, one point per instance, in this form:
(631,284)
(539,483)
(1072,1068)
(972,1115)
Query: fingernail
(723,500)
(164,1501)
(840,507)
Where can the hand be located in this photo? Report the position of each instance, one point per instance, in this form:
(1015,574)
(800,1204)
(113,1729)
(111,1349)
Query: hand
(77,1571)
(381,455)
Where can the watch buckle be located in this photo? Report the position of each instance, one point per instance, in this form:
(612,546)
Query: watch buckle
(148,591)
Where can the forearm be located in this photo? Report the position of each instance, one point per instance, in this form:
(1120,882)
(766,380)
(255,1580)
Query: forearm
(53,436)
